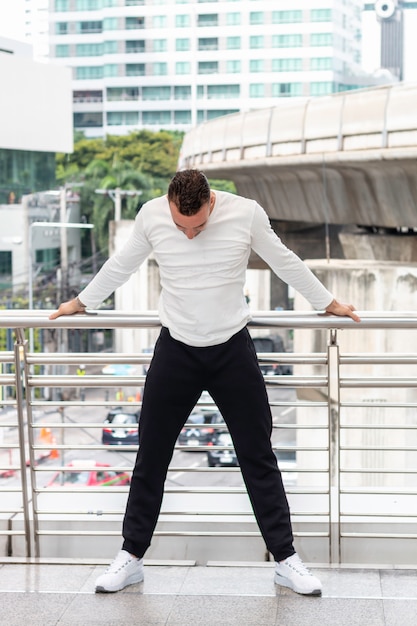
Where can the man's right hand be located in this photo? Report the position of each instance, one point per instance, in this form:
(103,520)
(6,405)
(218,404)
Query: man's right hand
(68,308)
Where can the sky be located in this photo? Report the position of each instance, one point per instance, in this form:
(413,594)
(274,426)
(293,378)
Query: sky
(12,19)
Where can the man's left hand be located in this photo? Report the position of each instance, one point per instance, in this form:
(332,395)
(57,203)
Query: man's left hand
(338,308)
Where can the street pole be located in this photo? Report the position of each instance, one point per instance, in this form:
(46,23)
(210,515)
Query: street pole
(116,195)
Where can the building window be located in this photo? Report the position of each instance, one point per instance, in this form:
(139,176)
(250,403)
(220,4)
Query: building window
(321,88)
(111,70)
(256,65)
(160,45)
(233,43)
(182,117)
(208,43)
(223,91)
(122,118)
(116,94)
(287,65)
(182,21)
(134,23)
(321,63)
(233,19)
(85,73)
(5,263)
(160,118)
(208,19)
(130,3)
(182,45)
(156,93)
(280,90)
(88,5)
(88,120)
(321,15)
(135,47)
(61,5)
(256,41)
(62,50)
(110,23)
(203,116)
(61,28)
(110,47)
(257,90)
(183,67)
(159,21)
(287,17)
(160,69)
(90,27)
(287,41)
(182,92)
(87,96)
(256,17)
(208,67)
(89,49)
(135,69)
(321,39)
(233,67)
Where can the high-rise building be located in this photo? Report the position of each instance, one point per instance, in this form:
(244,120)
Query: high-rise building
(174,63)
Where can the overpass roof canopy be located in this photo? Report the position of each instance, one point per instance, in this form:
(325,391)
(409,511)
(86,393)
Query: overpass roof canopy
(349,158)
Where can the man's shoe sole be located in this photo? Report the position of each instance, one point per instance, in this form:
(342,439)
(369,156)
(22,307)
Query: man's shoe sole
(285,582)
(132,580)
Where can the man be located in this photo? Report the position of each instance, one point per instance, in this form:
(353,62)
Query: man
(201,240)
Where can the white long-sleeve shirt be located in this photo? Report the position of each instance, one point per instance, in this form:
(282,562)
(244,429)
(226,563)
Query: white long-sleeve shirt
(202,299)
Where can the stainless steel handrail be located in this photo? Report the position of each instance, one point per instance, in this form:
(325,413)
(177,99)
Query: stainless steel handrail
(323,375)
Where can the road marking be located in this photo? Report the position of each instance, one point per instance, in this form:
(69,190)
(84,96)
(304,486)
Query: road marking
(178,474)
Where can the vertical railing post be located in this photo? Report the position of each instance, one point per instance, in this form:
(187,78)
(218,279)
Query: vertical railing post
(334,448)
(20,351)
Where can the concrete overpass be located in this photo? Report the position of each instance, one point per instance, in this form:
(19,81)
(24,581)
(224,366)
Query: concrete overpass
(344,161)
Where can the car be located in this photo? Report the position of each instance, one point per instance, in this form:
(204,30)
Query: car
(88,473)
(198,429)
(121,428)
(226,457)
(272,343)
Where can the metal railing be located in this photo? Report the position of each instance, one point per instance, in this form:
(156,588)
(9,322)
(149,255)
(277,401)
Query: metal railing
(349,459)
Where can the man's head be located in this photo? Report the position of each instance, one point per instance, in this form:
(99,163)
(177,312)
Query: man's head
(190,201)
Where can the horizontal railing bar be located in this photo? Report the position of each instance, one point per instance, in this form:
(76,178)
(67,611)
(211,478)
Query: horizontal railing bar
(380,449)
(20,318)
(344,535)
(169,533)
(378,359)
(378,470)
(378,382)
(379,405)
(375,492)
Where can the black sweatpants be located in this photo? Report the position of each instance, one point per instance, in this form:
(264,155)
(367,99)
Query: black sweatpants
(176,377)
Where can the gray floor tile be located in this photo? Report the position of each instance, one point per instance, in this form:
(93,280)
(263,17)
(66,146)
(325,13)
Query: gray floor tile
(400,612)
(358,583)
(310,611)
(127,606)
(36,577)
(225,610)
(399,583)
(229,581)
(36,609)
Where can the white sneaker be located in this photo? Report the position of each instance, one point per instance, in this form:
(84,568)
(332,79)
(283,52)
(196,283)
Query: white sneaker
(293,573)
(125,570)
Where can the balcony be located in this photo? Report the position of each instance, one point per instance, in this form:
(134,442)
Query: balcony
(344,418)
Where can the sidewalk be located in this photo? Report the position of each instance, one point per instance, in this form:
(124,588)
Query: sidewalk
(213,595)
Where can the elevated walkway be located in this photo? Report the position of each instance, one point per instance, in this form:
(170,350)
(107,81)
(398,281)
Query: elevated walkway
(48,594)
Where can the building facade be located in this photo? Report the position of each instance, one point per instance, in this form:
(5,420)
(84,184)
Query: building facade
(174,63)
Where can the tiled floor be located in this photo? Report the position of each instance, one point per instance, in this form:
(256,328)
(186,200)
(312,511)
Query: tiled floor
(187,595)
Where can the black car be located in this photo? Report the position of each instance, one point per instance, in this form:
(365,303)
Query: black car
(272,343)
(121,428)
(198,429)
(226,457)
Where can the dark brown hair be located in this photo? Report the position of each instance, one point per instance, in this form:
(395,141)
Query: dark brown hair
(189,190)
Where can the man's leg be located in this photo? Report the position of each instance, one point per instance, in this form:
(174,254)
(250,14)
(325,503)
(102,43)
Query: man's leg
(238,388)
(172,388)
